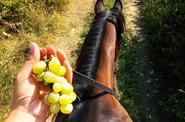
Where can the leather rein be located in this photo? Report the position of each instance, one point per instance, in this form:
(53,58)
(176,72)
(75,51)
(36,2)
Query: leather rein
(92,82)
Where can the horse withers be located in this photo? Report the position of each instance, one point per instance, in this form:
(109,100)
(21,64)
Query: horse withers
(97,61)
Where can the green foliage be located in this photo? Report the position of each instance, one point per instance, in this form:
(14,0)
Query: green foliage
(166,33)
(30,16)
(108,4)
(166,42)
(152,71)
(126,77)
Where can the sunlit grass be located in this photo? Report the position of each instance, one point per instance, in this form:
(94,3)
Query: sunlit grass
(12,56)
(131,11)
(60,25)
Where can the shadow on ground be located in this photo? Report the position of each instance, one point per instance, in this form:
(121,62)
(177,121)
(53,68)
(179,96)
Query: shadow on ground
(152,67)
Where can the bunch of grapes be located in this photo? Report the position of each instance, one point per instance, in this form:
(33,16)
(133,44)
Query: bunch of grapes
(62,95)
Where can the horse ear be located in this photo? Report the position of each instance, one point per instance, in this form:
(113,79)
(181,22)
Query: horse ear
(98,6)
(118,5)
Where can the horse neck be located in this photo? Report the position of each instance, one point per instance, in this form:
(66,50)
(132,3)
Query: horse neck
(88,59)
(105,70)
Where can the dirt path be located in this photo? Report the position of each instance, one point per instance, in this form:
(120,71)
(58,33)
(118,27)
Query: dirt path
(137,95)
(138,78)
(131,10)
(76,17)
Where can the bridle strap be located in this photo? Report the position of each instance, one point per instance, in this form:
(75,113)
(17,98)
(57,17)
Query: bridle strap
(119,30)
(117,18)
(92,82)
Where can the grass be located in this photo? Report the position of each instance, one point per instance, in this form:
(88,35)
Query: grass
(131,10)
(151,66)
(22,22)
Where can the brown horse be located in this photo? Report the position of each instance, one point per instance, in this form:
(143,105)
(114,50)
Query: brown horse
(97,61)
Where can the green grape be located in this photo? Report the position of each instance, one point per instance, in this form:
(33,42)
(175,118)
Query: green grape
(65,99)
(40,77)
(73,96)
(59,79)
(57,87)
(39,67)
(67,109)
(49,77)
(54,108)
(61,71)
(53,97)
(54,64)
(46,100)
(67,88)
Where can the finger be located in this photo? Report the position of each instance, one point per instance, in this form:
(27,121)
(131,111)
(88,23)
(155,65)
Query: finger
(34,57)
(43,52)
(61,56)
(50,51)
(69,72)
(63,59)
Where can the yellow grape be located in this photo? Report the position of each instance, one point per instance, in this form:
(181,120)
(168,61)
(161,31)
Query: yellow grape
(54,64)
(53,97)
(46,100)
(59,79)
(67,109)
(49,77)
(65,99)
(67,88)
(54,108)
(57,87)
(40,77)
(39,67)
(61,71)
(73,96)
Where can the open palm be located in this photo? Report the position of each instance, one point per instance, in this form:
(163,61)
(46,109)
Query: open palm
(28,92)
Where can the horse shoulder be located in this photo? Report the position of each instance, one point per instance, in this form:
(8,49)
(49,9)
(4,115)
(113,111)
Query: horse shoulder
(108,109)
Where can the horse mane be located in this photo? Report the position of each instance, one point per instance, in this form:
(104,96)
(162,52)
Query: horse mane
(88,61)
(89,54)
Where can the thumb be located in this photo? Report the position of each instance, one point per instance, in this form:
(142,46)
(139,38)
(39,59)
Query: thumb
(34,52)
(26,71)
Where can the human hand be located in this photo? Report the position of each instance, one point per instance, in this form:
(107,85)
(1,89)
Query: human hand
(28,96)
